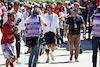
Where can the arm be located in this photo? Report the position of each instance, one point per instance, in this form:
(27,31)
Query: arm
(43,21)
(84,31)
(10,36)
(65,30)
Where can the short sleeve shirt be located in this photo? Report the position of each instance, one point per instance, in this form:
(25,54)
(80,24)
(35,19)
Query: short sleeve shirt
(6,30)
(74,24)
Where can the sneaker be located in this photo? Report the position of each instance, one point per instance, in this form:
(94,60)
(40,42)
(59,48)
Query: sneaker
(52,57)
(56,47)
(76,60)
(18,62)
(47,61)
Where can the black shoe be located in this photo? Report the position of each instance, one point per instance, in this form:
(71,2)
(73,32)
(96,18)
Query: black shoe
(71,58)
(81,51)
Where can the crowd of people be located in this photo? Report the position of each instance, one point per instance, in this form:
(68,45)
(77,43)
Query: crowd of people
(27,21)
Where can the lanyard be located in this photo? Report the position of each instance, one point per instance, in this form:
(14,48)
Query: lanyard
(51,18)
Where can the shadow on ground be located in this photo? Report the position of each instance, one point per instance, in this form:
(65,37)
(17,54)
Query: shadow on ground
(86,45)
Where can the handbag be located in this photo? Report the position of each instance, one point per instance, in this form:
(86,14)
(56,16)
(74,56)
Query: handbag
(31,41)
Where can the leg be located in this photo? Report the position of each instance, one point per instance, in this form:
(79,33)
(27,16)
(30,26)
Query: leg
(71,51)
(77,47)
(48,45)
(18,49)
(37,53)
(94,48)
(31,56)
(7,62)
(71,43)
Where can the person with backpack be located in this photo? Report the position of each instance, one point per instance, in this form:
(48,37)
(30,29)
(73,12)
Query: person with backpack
(33,31)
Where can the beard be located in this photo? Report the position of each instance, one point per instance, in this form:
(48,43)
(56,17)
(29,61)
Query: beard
(12,20)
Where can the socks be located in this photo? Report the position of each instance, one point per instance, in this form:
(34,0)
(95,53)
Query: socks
(47,56)
(51,53)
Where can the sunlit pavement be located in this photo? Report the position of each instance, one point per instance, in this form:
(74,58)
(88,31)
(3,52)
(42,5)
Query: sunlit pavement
(61,57)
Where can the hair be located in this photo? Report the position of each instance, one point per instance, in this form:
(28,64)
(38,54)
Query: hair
(16,3)
(59,2)
(98,8)
(10,13)
(94,2)
(35,11)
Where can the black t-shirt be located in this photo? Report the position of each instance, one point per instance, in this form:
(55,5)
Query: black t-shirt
(74,24)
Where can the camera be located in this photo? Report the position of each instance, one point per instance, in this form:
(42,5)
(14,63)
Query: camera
(16,24)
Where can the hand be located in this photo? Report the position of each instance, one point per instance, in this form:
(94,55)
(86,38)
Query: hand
(23,37)
(65,35)
(58,35)
(84,36)
(16,30)
(45,25)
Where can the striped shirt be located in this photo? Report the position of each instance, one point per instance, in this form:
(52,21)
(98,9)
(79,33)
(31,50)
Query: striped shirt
(96,25)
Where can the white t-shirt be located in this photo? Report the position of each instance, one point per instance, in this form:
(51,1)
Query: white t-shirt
(26,15)
(61,25)
(52,23)
(0,13)
(21,25)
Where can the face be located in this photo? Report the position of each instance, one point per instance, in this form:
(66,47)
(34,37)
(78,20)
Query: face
(51,9)
(74,14)
(27,9)
(12,18)
(16,7)
(76,6)
(59,6)
(66,4)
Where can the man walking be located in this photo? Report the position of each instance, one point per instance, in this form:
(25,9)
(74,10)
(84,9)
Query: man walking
(33,31)
(21,27)
(74,21)
(95,22)
(50,31)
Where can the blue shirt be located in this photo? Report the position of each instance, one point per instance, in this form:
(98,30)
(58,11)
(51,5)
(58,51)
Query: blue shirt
(92,10)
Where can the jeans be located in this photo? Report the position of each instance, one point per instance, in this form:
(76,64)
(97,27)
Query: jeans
(34,55)
(18,45)
(95,46)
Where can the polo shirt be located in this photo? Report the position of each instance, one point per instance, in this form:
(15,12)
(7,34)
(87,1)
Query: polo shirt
(6,30)
(74,24)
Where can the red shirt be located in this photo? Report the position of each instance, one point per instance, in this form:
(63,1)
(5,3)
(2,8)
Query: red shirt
(56,11)
(6,30)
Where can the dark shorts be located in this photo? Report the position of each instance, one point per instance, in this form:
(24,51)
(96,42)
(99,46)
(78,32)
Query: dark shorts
(49,37)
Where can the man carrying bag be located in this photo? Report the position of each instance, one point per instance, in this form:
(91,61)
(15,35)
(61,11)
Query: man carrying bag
(33,30)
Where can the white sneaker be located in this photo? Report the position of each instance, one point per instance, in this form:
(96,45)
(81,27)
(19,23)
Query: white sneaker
(47,61)
(17,61)
(56,47)
(52,57)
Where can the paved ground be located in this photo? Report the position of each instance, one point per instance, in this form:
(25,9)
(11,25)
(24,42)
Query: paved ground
(61,57)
